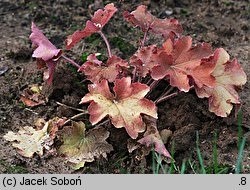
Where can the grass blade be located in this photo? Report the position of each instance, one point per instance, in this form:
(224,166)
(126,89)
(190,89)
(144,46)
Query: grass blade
(191,165)
(199,154)
(153,161)
(240,155)
(240,133)
(172,160)
(183,167)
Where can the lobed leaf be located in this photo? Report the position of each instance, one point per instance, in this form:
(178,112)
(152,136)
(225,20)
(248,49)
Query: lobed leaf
(96,71)
(179,61)
(45,50)
(30,140)
(145,59)
(153,137)
(124,107)
(32,96)
(100,19)
(228,75)
(46,53)
(80,147)
(146,21)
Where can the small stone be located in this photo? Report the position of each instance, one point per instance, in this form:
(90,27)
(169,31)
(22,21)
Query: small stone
(169,12)
(3,69)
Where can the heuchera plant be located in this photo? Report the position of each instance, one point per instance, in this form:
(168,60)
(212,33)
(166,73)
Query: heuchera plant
(122,89)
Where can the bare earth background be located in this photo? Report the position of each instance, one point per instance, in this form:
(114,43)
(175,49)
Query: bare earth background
(223,23)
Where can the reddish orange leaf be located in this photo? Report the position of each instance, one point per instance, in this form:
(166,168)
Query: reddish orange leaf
(228,75)
(32,96)
(146,21)
(179,61)
(124,107)
(145,59)
(29,102)
(101,17)
(96,71)
(152,136)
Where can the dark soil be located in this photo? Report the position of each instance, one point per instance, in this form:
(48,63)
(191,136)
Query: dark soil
(223,23)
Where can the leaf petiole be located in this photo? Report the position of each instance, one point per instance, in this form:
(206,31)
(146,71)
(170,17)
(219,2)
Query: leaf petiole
(144,39)
(107,43)
(152,86)
(164,98)
(71,61)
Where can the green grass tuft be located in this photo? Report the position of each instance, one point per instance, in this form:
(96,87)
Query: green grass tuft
(200,168)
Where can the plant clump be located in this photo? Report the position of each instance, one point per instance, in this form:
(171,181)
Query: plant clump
(120,90)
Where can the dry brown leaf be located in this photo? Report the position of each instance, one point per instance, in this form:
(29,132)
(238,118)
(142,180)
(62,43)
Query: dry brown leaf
(29,140)
(79,147)
(32,96)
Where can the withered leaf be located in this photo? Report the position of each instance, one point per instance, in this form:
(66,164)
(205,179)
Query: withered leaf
(29,140)
(32,96)
(80,146)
